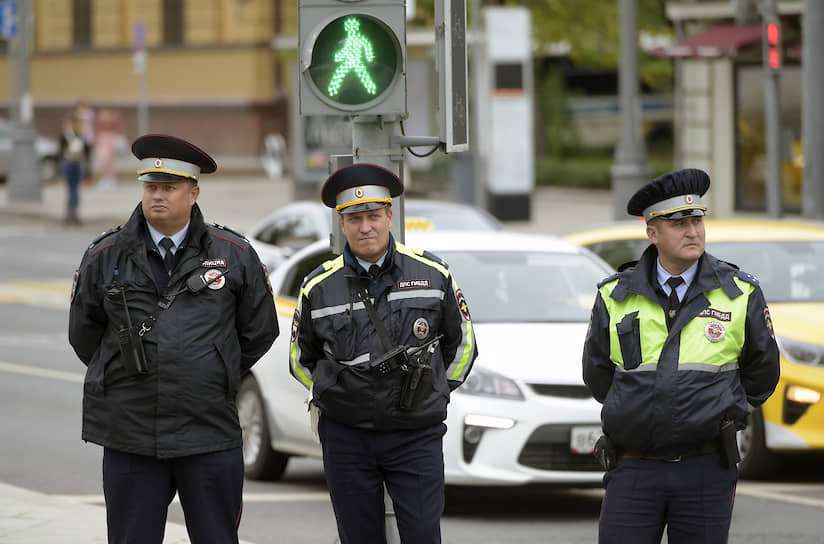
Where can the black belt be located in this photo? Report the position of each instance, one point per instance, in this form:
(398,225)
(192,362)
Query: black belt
(691,451)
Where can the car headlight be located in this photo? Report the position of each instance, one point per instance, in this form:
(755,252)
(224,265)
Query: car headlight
(490,384)
(803,353)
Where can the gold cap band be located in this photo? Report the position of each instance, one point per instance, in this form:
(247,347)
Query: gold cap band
(674,204)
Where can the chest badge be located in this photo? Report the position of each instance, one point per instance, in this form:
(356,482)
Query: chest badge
(714,331)
(420,328)
(211,275)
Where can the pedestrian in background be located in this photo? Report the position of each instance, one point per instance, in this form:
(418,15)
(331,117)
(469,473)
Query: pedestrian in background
(169,313)
(85,113)
(378,298)
(679,344)
(109,140)
(73,159)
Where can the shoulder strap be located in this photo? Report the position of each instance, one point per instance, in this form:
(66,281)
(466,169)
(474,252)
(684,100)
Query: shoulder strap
(388,345)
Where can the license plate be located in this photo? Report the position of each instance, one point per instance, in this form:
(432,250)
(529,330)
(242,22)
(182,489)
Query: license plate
(582,439)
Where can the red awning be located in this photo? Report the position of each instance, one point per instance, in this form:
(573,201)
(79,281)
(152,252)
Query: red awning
(723,40)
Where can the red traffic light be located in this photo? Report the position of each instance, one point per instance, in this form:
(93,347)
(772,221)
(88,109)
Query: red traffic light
(773,45)
(773,34)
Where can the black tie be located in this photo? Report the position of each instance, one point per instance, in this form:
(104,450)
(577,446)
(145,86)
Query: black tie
(674,303)
(374,270)
(169,258)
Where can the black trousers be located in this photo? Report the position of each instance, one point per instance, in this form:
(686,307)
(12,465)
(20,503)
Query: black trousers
(692,498)
(139,489)
(358,462)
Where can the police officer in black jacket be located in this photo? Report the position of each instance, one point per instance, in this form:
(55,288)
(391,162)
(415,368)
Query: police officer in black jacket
(378,296)
(168,313)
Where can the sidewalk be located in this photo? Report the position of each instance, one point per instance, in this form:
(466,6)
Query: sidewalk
(238,201)
(27,517)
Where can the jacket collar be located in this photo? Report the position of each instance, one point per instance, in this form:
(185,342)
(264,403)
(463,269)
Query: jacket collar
(133,233)
(640,278)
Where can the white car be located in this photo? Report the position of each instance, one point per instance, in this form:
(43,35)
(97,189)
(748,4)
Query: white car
(46,151)
(293,226)
(523,415)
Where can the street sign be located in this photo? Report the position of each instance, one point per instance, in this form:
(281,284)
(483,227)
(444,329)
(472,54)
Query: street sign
(8,19)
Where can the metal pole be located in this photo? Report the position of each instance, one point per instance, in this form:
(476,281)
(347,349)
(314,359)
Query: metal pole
(373,141)
(630,170)
(143,97)
(812,118)
(479,103)
(772,117)
(24,177)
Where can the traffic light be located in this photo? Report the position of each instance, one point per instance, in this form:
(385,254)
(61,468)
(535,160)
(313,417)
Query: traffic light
(352,57)
(773,45)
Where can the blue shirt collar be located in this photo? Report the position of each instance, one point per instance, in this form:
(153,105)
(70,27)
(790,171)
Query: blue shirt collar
(177,238)
(687,275)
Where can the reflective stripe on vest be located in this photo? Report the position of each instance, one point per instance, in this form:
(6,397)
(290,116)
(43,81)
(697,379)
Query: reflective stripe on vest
(710,342)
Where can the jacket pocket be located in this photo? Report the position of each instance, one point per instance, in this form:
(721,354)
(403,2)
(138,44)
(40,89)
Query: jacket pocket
(232,371)
(629,338)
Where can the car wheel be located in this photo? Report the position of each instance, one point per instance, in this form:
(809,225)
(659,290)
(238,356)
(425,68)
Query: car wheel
(756,460)
(47,168)
(260,461)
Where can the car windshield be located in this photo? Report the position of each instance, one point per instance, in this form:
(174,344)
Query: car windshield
(786,271)
(526,287)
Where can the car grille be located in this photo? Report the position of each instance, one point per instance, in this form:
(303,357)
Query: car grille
(561,390)
(548,449)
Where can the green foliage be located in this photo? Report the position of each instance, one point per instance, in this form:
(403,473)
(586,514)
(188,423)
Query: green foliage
(587,170)
(590,27)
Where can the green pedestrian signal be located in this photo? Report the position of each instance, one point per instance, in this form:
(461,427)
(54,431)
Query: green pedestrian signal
(354,60)
(352,57)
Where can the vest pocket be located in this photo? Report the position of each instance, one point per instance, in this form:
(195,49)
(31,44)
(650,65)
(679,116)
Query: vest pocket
(629,338)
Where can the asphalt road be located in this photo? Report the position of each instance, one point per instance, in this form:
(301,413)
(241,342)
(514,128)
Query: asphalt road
(41,449)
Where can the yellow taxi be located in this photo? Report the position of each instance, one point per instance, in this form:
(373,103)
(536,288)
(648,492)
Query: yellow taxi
(788,259)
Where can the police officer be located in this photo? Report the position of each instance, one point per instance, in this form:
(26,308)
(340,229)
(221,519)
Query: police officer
(679,344)
(347,308)
(168,313)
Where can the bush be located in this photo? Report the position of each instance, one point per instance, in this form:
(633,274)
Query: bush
(586,170)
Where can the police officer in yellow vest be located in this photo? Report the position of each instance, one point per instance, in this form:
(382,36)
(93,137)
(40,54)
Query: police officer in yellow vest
(679,344)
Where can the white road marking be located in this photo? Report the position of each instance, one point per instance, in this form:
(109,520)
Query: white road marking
(782,493)
(38,372)
(50,294)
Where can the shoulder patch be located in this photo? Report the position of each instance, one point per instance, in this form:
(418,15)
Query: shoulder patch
(608,279)
(744,276)
(104,235)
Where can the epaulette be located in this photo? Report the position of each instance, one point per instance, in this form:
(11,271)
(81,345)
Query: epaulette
(627,265)
(747,277)
(103,235)
(735,266)
(324,267)
(429,255)
(227,229)
(608,279)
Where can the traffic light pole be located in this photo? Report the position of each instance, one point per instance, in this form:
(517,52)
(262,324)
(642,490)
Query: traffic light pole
(772,115)
(24,177)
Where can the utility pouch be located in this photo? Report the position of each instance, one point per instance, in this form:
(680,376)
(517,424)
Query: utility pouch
(606,452)
(416,382)
(729,444)
(131,348)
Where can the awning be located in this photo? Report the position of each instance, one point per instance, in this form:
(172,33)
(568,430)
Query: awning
(723,40)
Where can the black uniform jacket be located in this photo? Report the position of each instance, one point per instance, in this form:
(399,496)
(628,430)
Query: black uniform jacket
(197,351)
(670,408)
(334,341)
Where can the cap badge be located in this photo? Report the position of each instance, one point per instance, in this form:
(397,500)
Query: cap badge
(714,331)
(420,328)
(688,199)
(358,192)
(158,163)
(211,275)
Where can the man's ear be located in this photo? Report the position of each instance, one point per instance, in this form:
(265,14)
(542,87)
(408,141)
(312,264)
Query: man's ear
(652,232)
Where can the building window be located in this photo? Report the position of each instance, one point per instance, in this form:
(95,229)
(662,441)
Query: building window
(82,23)
(173,22)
